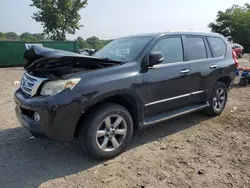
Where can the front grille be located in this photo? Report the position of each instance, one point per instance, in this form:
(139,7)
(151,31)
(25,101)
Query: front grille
(30,84)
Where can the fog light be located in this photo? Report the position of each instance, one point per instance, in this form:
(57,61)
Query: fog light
(36,116)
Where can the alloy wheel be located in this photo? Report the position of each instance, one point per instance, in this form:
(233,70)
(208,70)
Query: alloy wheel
(219,99)
(111,133)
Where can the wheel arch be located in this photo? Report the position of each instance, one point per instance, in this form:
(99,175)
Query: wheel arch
(127,100)
(226,80)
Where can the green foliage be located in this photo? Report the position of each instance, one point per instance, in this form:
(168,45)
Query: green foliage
(234,23)
(11,36)
(2,36)
(82,43)
(92,43)
(104,42)
(39,36)
(28,37)
(59,17)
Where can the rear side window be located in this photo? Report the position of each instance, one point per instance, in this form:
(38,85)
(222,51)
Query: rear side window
(196,48)
(218,46)
(171,49)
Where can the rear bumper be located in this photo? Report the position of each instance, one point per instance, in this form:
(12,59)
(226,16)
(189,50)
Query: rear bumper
(58,115)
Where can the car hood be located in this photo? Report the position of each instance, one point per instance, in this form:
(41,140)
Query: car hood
(39,56)
(37,52)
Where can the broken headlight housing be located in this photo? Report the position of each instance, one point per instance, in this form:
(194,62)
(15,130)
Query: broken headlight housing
(52,88)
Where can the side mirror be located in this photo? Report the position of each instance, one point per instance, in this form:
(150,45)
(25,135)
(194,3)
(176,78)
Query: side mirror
(155,58)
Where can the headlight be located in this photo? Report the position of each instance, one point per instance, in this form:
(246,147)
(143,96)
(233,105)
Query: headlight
(54,87)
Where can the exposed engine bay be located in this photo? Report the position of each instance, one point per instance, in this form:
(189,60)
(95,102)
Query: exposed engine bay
(50,63)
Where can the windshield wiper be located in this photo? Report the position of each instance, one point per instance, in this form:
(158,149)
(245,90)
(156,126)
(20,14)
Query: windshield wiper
(98,64)
(111,60)
(106,58)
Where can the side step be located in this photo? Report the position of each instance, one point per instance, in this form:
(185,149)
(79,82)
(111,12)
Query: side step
(173,114)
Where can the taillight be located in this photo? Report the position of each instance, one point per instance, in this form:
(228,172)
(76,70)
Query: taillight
(235,59)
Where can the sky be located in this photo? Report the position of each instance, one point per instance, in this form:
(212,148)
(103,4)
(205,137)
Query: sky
(115,18)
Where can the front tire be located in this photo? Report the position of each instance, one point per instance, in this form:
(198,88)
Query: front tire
(106,131)
(218,99)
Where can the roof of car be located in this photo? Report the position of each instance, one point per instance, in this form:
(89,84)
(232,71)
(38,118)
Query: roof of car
(174,33)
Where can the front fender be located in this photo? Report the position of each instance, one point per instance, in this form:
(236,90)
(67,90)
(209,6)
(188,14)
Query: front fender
(128,96)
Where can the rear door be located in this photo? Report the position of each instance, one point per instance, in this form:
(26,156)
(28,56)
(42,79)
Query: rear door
(203,63)
(218,67)
(199,57)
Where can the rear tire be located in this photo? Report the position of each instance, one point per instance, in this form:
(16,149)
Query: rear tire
(243,82)
(218,99)
(106,131)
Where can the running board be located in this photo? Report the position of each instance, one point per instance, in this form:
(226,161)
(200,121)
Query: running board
(176,113)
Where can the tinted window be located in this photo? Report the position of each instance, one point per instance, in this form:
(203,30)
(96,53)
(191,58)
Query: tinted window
(196,48)
(171,49)
(218,46)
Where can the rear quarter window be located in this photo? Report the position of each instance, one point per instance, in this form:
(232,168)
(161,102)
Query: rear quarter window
(218,46)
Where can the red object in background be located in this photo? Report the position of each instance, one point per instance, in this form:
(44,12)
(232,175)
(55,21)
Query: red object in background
(238,49)
(235,59)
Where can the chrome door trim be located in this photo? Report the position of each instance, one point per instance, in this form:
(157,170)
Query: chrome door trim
(197,92)
(174,98)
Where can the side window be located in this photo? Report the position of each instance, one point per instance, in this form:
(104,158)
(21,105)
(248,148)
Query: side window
(218,46)
(196,48)
(171,49)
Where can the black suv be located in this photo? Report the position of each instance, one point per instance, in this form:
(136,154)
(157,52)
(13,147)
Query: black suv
(130,83)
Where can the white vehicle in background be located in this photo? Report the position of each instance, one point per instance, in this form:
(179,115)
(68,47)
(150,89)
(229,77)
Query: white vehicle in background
(88,52)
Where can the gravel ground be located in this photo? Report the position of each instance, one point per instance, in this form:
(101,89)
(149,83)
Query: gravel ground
(192,151)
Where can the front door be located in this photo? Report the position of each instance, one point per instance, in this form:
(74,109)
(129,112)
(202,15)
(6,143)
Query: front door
(167,84)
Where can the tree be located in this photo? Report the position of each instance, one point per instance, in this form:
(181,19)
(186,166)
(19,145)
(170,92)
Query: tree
(11,36)
(234,24)
(103,43)
(93,42)
(59,17)
(28,37)
(2,36)
(39,36)
(82,43)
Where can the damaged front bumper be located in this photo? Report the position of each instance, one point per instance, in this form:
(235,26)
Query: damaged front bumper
(58,115)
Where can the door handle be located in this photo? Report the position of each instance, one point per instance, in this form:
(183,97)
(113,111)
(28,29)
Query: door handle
(213,66)
(185,71)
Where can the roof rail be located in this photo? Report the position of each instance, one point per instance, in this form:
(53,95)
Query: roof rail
(181,31)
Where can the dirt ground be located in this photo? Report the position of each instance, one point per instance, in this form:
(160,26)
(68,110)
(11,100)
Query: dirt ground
(192,151)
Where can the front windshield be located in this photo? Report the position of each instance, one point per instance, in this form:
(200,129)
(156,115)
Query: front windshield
(124,49)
